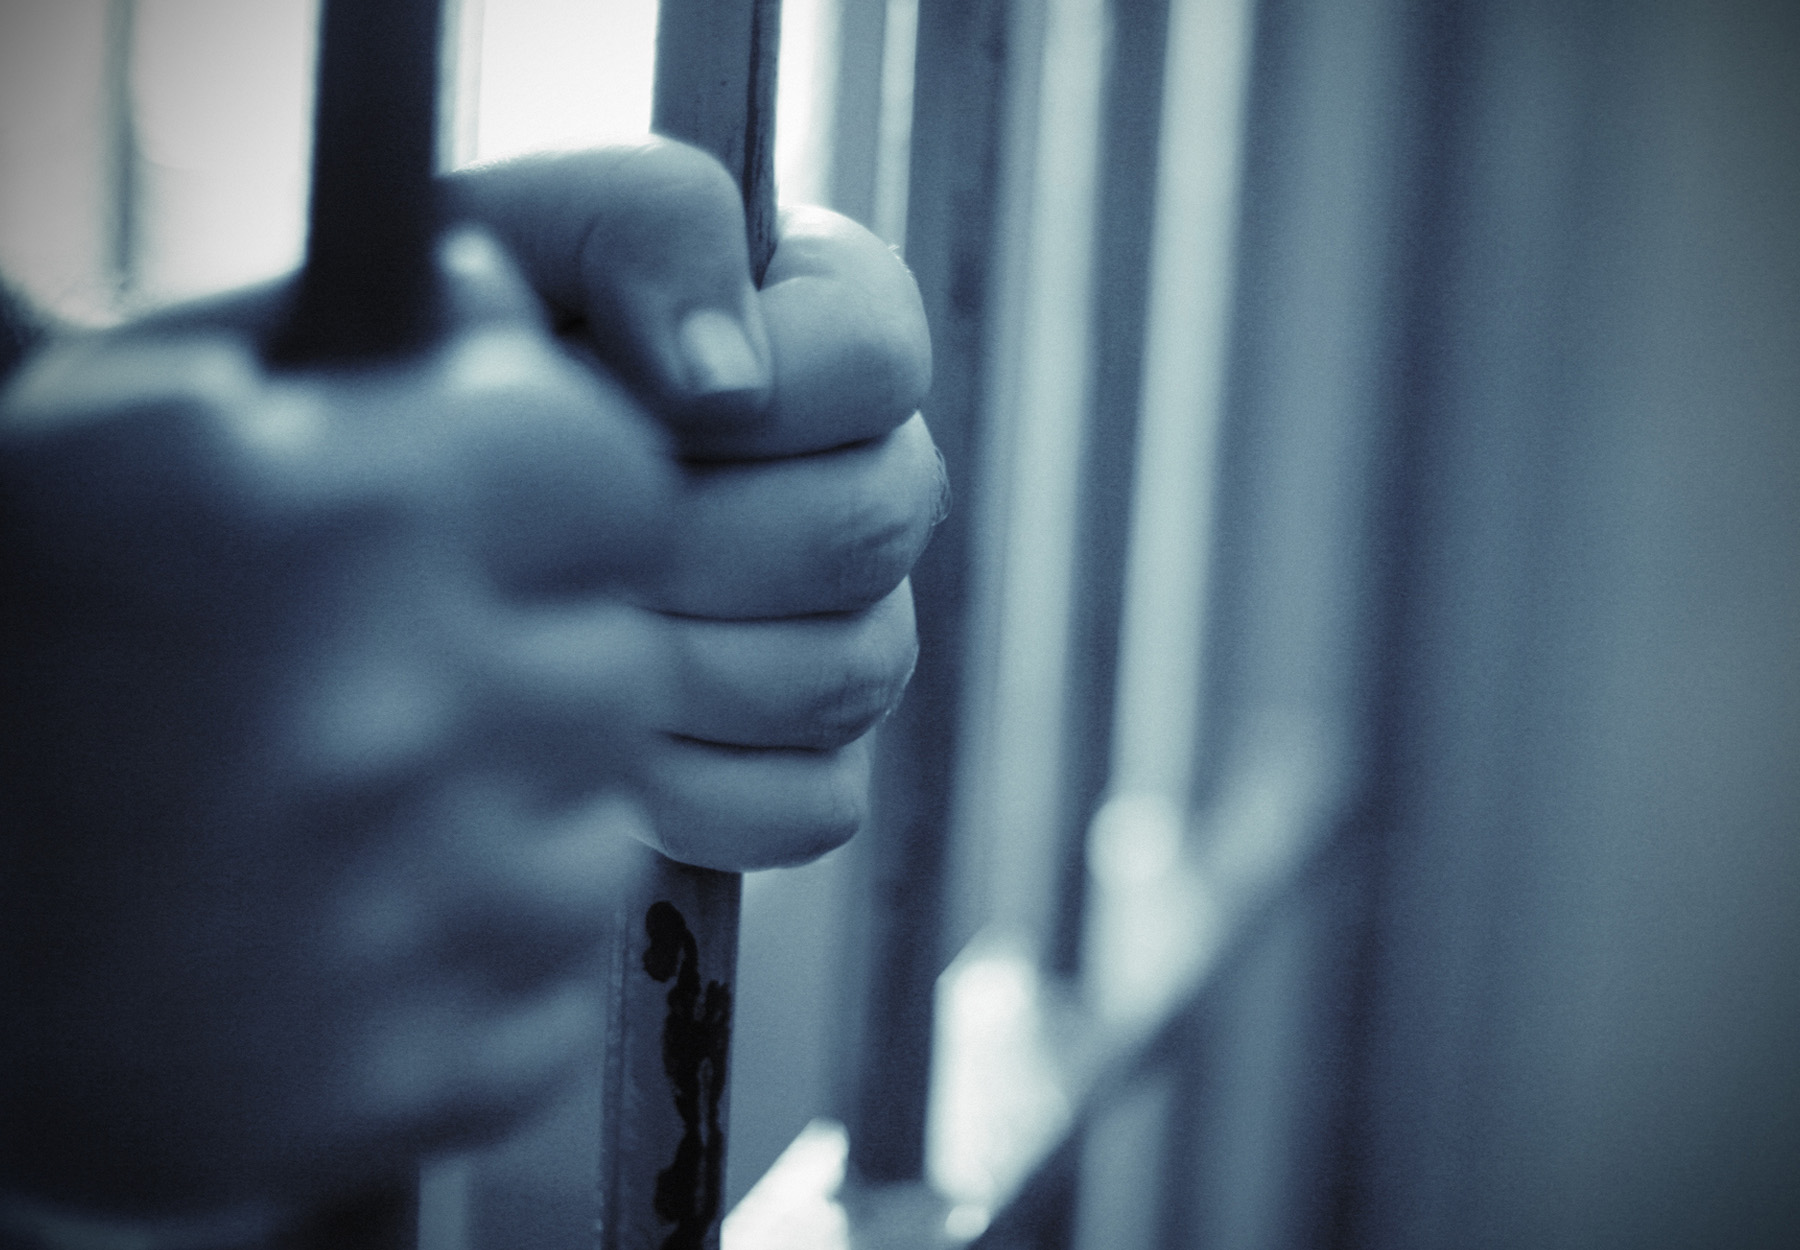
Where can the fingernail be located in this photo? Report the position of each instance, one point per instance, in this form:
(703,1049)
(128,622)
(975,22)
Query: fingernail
(718,355)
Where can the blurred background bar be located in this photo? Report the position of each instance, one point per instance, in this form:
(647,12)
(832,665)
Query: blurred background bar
(952,227)
(1131,122)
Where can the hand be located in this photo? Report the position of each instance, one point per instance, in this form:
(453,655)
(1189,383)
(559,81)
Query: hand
(328,695)
(317,718)
(810,484)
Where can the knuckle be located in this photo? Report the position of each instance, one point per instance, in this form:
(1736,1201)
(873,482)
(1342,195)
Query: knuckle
(863,691)
(885,321)
(682,170)
(877,542)
(874,550)
(886,361)
(836,809)
(771,809)
(906,347)
(679,196)
(897,330)
(126,461)
(871,676)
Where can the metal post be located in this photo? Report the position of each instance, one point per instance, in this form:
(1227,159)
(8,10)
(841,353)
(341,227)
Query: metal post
(368,289)
(369,285)
(662,1166)
(715,89)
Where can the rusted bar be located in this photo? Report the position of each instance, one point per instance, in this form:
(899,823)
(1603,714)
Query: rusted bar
(668,1050)
(666,1098)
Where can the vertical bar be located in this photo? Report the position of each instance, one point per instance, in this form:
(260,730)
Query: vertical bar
(1127,194)
(368,288)
(715,88)
(668,1050)
(459,82)
(1182,402)
(963,53)
(662,1166)
(856,107)
(893,160)
(122,155)
(1040,379)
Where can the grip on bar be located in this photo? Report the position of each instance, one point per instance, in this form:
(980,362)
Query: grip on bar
(664,1116)
(369,290)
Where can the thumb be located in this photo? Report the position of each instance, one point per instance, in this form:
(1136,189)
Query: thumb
(639,251)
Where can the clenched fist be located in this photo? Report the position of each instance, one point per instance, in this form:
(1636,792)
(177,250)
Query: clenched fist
(328,695)
(809,484)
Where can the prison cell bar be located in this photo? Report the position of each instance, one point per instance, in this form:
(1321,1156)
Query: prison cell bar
(368,289)
(665,1099)
(369,284)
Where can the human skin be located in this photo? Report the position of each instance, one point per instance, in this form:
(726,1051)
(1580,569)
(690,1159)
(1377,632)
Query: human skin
(802,507)
(330,695)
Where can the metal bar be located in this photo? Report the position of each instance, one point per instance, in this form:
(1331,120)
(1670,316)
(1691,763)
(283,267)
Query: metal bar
(369,286)
(368,289)
(715,89)
(666,1100)
(963,57)
(123,158)
(856,108)
(1131,127)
